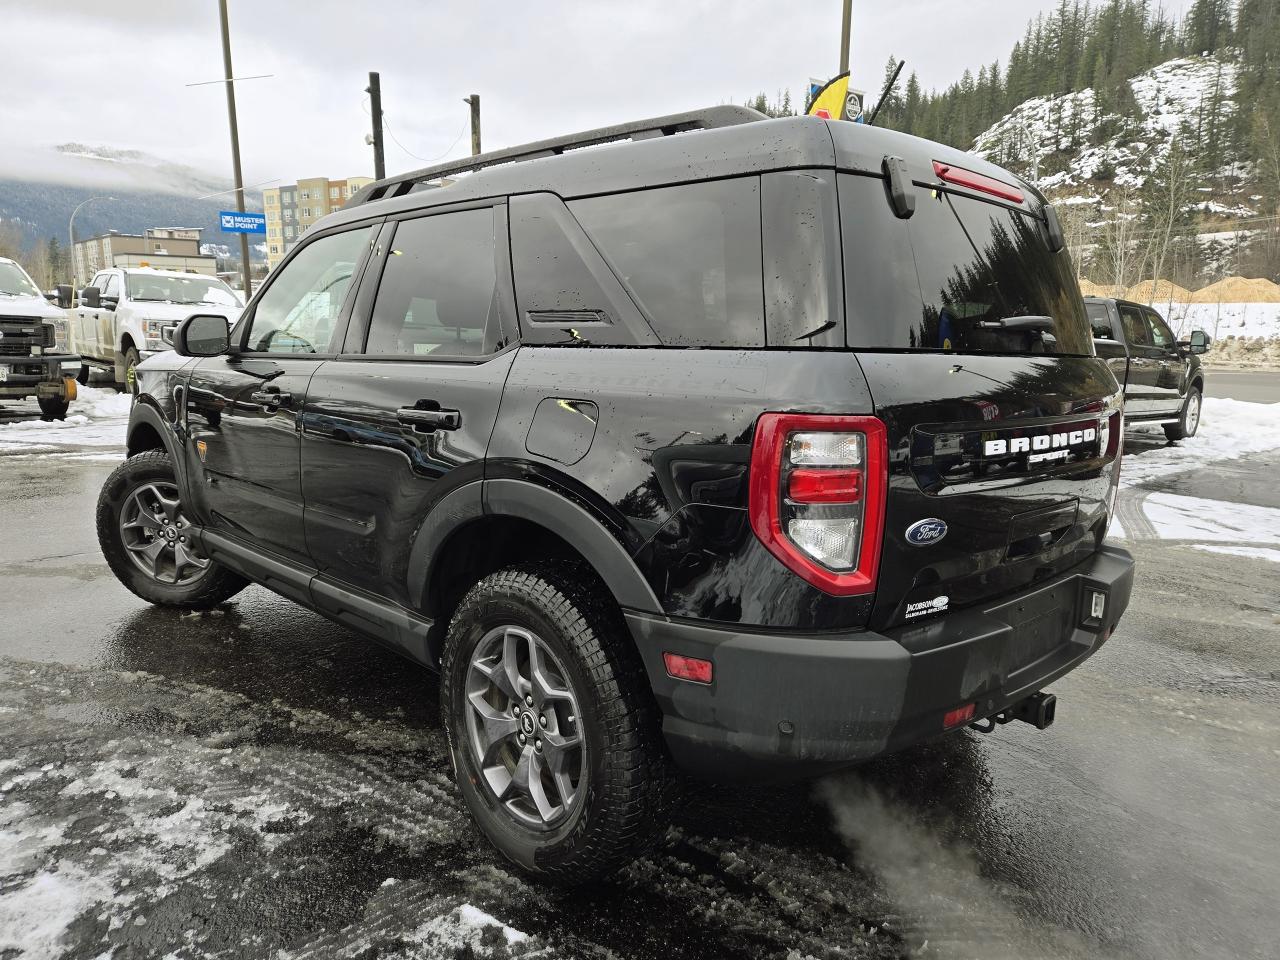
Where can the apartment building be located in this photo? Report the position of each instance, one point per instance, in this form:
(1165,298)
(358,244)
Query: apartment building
(164,248)
(292,209)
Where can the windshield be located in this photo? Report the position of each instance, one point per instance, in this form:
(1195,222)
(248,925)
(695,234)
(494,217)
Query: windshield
(193,289)
(960,275)
(14,281)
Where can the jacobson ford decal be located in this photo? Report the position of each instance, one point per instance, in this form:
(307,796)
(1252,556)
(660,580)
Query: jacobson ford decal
(1055,446)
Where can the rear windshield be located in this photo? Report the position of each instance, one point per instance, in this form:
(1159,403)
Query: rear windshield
(960,275)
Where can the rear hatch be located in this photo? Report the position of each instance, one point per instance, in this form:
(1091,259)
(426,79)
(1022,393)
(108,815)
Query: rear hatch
(1003,428)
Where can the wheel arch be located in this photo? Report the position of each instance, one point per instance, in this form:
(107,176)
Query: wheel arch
(484,526)
(149,431)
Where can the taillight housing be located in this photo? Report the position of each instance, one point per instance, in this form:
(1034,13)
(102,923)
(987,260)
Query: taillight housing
(817,496)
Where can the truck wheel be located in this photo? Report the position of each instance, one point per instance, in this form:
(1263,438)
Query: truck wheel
(145,536)
(52,408)
(1188,420)
(131,361)
(552,729)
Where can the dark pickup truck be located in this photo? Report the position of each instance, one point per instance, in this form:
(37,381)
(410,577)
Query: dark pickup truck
(1162,375)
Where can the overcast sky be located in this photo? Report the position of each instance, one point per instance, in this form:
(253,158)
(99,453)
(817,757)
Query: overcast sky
(114,72)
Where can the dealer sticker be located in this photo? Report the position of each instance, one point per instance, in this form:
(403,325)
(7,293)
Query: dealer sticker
(923,608)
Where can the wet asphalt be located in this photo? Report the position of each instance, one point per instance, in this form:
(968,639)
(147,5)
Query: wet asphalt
(259,782)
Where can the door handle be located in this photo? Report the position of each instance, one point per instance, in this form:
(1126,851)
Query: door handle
(425,421)
(271,398)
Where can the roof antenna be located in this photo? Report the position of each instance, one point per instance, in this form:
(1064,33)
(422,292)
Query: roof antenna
(888,88)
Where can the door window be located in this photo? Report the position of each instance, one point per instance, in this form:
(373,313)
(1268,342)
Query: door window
(438,292)
(112,288)
(299,310)
(1099,321)
(1161,335)
(1136,330)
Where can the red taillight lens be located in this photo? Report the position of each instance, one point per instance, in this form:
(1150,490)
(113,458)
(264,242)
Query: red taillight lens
(817,496)
(815,485)
(687,668)
(977,181)
(958,717)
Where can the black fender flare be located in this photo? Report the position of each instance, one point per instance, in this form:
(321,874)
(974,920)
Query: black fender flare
(582,531)
(145,412)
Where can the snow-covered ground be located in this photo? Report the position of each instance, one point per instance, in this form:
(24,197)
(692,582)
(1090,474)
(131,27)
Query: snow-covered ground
(1228,429)
(94,429)
(1222,320)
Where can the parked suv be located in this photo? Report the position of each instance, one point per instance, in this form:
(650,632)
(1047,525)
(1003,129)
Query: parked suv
(755,448)
(125,314)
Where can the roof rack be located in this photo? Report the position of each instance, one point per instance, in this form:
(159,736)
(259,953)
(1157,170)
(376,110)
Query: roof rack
(707,119)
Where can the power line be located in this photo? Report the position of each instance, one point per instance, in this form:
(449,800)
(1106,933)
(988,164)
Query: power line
(364,105)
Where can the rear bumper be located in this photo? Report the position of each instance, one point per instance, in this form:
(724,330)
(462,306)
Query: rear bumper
(798,705)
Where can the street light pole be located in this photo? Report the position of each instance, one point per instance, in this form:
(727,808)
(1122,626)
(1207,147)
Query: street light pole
(71,238)
(235,143)
(845,25)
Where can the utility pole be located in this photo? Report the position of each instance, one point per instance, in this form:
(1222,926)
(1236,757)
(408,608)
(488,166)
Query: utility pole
(235,143)
(375,111)
(845,22)
(474,100)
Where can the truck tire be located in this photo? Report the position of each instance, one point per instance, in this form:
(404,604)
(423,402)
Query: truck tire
(53,408)
(82,377)
(146,538)
(1188,419)
(131,360)
(561,763)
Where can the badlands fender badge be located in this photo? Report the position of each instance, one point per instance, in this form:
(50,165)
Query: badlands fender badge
(924,532)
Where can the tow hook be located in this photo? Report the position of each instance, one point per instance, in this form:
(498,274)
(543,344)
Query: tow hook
(1037,710)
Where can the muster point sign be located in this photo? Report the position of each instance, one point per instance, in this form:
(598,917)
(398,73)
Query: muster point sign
(235,222)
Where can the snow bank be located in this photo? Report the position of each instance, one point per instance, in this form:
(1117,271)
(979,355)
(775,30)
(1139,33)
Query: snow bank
(98,419)
(1228,429)
(1222,320)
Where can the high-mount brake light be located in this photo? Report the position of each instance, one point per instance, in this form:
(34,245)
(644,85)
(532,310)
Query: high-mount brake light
(977,181)
(817,496)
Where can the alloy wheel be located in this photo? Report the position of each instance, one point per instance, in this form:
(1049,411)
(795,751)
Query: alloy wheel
(1193,413)
(523,725)
(157,536)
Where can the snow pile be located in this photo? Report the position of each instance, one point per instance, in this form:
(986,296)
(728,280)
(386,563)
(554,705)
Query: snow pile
(1222,320)
(466,931)
(1176,517)
(96,421)
(1228,429)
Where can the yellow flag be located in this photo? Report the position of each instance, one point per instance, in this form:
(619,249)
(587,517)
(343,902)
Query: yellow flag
(836,101)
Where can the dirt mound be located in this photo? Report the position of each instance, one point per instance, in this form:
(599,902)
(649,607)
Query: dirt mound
(1090,289)
(1160,291)
(1238,290)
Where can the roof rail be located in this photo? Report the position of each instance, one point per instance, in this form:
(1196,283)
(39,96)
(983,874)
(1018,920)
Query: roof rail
(707,119)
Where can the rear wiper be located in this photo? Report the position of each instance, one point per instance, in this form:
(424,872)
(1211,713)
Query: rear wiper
(822,328)
(1020,323)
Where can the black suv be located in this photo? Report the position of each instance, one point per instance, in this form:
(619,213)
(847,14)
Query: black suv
(751,447)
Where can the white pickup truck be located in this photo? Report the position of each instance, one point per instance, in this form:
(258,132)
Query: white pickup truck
(125,315)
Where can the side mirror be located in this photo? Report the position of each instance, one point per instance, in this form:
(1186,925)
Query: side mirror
(51,296)
(1200,341)
(65,295)
(109,303)
(91,297)
(202,335)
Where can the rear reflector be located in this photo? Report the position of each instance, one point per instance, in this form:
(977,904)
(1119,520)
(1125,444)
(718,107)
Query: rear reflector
(977,181)
(958,717)
(808,485)
(687,668)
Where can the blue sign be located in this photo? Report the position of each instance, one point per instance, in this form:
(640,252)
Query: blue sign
(235,222)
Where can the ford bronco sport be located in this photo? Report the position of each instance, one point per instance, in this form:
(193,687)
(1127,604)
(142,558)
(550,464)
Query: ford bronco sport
(753,448)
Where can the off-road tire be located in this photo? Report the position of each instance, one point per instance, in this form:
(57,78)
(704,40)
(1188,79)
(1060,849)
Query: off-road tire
(216,585)
(53,408)
(1186,425)
(631,789)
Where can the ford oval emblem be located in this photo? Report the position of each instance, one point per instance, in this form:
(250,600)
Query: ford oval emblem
(924,532)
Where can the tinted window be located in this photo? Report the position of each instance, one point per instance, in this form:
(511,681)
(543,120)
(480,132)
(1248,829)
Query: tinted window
(803,305)
(299,310)
(1161,335)
(438,293)
(976,264)
(1100,321)
(1136,330)
(690,256)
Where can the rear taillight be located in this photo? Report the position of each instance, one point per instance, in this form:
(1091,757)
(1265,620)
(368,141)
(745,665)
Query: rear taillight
(817,496)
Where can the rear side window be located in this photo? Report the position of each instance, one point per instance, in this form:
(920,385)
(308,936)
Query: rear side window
(976,266)
(1099,321)
(438,293)
(688,255)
